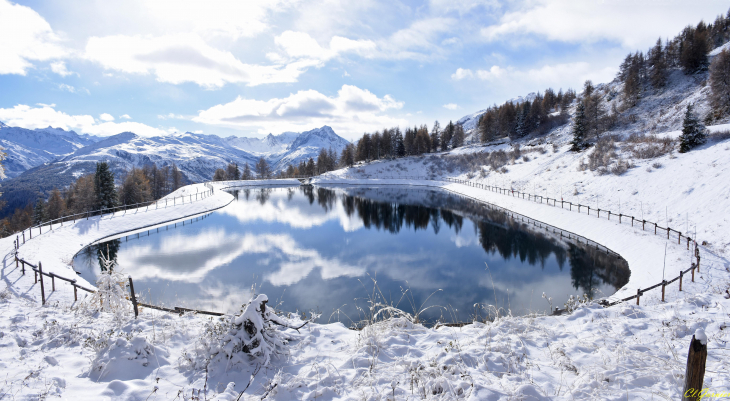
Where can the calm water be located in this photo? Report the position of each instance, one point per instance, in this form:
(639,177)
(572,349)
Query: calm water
(331,249)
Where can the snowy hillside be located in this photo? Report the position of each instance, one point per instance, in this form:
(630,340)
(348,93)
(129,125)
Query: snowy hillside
(26,148)
(308,144)
(263,146)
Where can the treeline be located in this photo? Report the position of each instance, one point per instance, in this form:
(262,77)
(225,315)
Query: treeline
(688,51)
(94,192)
(327,160)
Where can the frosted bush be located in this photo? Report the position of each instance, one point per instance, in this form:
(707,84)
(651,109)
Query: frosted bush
(254,335)
(111,293)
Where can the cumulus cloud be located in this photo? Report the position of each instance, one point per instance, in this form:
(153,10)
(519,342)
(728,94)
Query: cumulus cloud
(40,117)
(125,117)
(593,21)
(25,37)
(525,80)
(181,58)
(451,106)
(106,117)
(350,113)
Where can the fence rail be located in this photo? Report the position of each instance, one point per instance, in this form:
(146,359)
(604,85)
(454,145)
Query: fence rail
(106,211)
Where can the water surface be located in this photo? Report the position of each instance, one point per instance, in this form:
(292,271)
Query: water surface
(333,250)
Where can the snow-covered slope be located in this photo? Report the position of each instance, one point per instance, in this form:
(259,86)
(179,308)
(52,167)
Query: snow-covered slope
(263,146)
(308,144)
(26,148)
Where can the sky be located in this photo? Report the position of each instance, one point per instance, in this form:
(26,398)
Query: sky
(250,68)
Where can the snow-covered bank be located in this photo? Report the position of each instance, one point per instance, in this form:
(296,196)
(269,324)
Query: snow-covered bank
(595,353)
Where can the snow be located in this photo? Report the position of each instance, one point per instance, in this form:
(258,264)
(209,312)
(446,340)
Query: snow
(593,353)
(701,336)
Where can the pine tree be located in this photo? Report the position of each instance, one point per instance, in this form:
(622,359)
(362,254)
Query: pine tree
(400,149)
(657,61)
(521,128)
(39,212)
(435,137)
(106,192)
(458,139)
(579,129)
(693,132)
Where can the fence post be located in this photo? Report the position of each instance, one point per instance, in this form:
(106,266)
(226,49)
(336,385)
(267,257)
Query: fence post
(681,274)
(679,238)
(53,282)
(619,218)
(693,272)
(697,255)
(134,297)
(667,232)
(694,376)
(632,221)
(76,298)
(609,215)
(638,295)
(43,292)
(655,227)
(664,285)
(599,213)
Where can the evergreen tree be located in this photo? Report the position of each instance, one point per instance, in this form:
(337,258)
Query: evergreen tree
(579,129)
(435,137)
(106,192)
(521,128)
(400,149)
(459,136)
(657,61)
(693,132)
(39,212)
(446,136)
(246,175)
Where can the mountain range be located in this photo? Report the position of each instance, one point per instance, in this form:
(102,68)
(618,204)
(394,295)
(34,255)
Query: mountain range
(42,159)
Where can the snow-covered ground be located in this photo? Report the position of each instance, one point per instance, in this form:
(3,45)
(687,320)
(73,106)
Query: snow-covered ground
(621,352)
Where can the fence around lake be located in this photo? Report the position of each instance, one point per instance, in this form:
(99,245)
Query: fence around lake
(564,234)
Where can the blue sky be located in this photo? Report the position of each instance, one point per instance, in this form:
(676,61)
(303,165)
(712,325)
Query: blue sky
(252,67)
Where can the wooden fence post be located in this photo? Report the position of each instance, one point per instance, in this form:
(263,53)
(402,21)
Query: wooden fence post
(681,274)
(693,272)
(664,285)
(134,297)
(43,292)
(638,295)
(53,282)
(694,376)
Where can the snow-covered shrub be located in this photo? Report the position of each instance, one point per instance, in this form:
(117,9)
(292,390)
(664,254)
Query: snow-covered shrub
(604,153)
(111,293)
(648,146)
(254,335)
(576,302)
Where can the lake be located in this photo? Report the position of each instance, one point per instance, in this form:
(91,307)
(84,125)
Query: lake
(336,250)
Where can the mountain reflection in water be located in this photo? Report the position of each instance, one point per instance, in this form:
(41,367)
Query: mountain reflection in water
(335,249)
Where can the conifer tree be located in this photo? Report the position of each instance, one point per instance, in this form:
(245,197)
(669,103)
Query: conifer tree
(435,136)
(693,132)
(106,192)
(39,212)
(400,148)
(657,61)
(263,169)
(458,139)
(579,129)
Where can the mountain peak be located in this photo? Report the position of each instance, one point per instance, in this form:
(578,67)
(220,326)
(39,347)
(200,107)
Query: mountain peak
(3,125)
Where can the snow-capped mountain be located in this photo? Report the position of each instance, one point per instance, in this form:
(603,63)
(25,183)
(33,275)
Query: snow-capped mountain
(267,145)
(308,144)
(27,148)
(40,160)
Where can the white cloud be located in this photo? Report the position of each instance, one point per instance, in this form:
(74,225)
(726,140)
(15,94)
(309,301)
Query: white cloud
(70,88)
(106,117)
(350,113)
(40,117)
(184,58)
(170,116)
(451,106)
(125,117)
(557,75)
(634,24)
(299,45)
(59,67)
(25,37)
